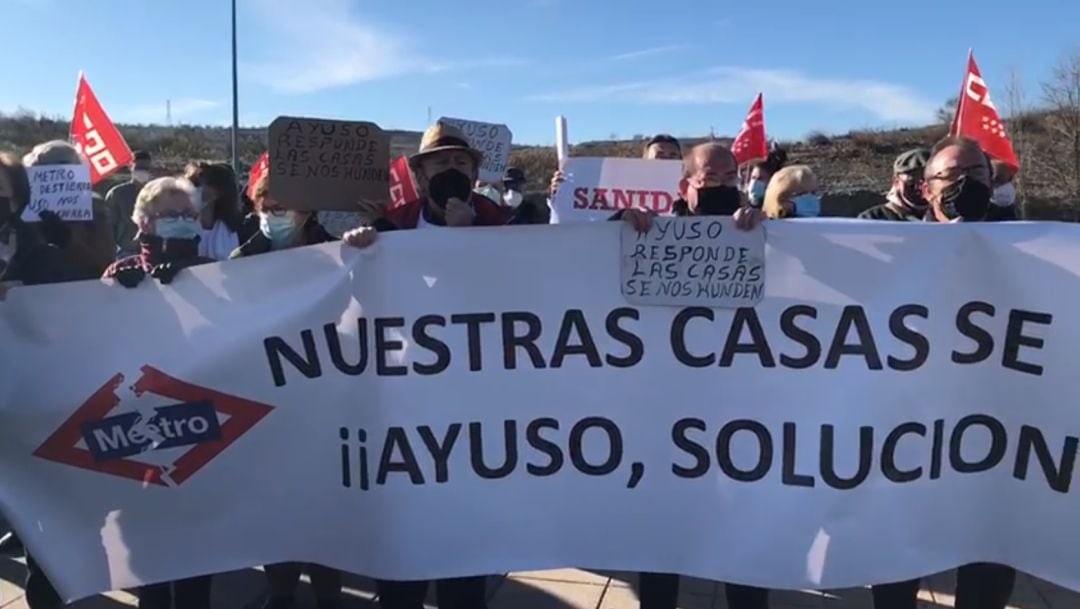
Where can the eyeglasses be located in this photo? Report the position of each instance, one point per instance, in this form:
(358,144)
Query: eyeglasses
(274,211)
(173,215)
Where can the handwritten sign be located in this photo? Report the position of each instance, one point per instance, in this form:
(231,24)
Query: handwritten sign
(62,189)
(328,164)
(700,261)
(491,139)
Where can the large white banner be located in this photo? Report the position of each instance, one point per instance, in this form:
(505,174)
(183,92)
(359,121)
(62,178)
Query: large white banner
(595,188)
(900,402)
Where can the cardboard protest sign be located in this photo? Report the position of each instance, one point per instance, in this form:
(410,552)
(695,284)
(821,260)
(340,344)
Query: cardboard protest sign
(595,188)
(698,261)
(492,140)
(63,189)
(328,164)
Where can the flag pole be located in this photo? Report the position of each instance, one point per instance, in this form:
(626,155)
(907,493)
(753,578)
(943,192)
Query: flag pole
(235,100)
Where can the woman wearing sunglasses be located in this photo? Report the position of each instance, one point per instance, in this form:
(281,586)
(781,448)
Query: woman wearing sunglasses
(168,236)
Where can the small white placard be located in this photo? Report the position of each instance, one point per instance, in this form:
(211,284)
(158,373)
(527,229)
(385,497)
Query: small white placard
(694,261)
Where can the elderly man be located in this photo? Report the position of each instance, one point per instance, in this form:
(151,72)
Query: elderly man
(709,187)
(121,202)
(88,246)
(905,201)
(445,169)
(958,189)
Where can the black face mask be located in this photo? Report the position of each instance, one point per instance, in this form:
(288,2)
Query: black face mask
(914,197)
(718,201)
(967,199)
(449,184)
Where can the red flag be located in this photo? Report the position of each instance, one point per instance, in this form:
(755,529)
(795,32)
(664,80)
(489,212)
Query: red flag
(978,119)
(402,187)
(95,136)
(258,170)
(750,143)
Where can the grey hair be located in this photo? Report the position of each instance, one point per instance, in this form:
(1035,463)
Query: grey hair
(56,152)
(155,190)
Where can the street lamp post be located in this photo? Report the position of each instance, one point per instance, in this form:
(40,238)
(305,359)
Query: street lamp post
(235,99)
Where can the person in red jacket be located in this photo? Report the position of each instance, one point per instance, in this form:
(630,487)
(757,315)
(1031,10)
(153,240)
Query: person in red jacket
(445,169)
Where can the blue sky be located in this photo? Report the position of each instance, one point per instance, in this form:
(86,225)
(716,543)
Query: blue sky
(620,67)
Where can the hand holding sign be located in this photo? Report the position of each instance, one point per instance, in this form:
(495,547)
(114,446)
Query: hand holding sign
(699,261)
(62,189)
(318,164)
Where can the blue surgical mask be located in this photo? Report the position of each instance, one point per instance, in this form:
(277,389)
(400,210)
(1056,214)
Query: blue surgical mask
(806,206)
(178,228)
(757,193)
(281,229)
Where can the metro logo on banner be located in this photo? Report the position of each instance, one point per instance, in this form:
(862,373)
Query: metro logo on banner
(977,117)
(111,440)
(95,136)
(750,144)
(258,170)
(402,186)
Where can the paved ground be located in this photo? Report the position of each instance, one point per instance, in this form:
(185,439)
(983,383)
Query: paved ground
(566,589)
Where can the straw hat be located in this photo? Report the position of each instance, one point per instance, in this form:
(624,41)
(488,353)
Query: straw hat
(440,137)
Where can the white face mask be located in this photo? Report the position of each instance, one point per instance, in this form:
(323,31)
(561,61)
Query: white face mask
(1004,195)
(513,198)
(142,176)
(282,230)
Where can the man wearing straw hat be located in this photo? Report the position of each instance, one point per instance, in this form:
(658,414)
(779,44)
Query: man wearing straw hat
(445,168)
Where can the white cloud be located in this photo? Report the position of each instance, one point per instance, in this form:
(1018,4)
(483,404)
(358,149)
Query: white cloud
(647,52)
(181,109)
(326,45)
(727,84)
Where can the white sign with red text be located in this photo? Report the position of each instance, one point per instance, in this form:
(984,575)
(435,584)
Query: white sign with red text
(596,188)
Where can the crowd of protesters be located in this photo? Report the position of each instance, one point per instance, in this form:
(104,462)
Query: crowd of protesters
(152,229)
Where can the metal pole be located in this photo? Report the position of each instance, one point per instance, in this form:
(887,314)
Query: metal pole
(235,99)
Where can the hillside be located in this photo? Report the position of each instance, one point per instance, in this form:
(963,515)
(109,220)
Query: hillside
(856,168)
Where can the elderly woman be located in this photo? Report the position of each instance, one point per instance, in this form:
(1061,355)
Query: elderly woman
(88,246)
(279,229)
(168,236)
(793,192)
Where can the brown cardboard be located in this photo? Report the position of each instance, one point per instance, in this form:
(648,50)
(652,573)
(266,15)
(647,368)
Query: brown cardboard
(328,164)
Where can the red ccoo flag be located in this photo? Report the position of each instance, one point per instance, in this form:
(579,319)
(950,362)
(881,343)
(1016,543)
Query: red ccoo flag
(402,187)
(750,143)
(978,119)
(258,170)
(95,136)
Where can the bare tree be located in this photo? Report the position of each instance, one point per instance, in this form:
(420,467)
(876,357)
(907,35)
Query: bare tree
(1016,99)
(1062,95)
(946,112)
